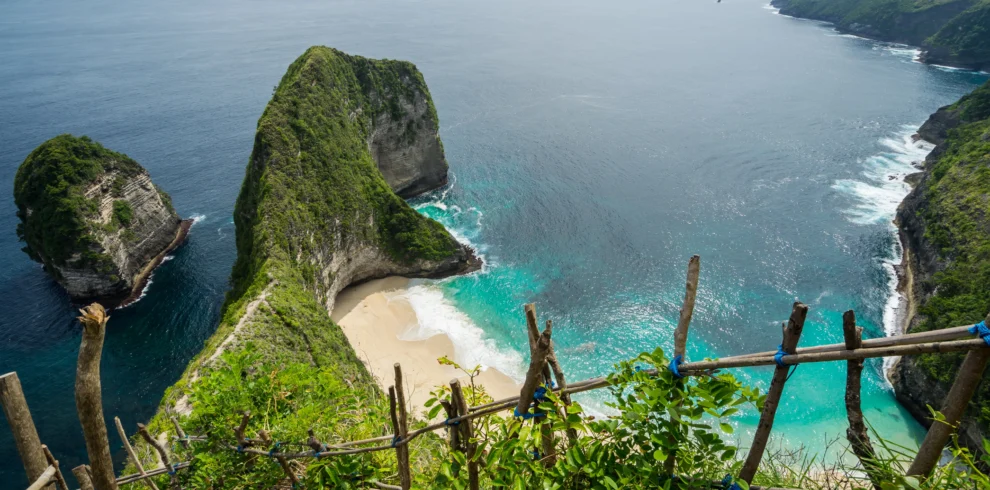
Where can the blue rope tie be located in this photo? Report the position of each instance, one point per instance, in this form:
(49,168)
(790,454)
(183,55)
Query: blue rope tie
(527,415)
(395,441)
(536,454)
(240,448)
(540,395)
(449,423)
(981,330)
(779,356)
(674,363)
(728,483)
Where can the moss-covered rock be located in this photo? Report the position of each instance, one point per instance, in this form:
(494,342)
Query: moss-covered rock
(945,229)
(92,217)
(952,32)
(315,214)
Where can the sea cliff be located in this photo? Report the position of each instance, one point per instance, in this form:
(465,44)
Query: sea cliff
(93,218)
(945,231)
(316,213)
(951,32)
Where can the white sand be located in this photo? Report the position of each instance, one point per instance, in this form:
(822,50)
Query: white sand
(373,324)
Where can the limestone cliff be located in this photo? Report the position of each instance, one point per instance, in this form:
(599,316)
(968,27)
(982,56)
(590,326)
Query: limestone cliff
(93,218)
(316,213)
(951,32)
(945,229)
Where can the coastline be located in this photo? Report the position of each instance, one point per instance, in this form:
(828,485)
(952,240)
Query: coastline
(145,275)
(374,318)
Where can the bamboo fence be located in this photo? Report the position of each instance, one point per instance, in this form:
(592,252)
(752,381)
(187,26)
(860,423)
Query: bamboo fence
(544,370)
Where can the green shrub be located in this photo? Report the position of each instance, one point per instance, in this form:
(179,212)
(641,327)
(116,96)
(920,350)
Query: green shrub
(122,212)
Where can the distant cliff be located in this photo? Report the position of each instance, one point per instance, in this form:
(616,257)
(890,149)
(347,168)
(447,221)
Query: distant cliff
(93,218)
(316,213)
(952,32)
(945,228)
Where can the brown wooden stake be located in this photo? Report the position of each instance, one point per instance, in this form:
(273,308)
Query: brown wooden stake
(558,374)
(534,334)
(467,433)
(44,480)
(859,438)
(450,409)
(81,473)
(181,434)
(89,397)
(681,335)
(15,408)
(131,454)
(537,362)
(792,332)
(143,431)
(953,407)
(242,441)
(284,463)
(405,474)
(59,479)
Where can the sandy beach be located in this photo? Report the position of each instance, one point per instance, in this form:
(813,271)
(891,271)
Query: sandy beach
(373,324)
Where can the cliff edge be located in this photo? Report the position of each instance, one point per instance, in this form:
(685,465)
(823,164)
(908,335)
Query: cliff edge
(951,32)
(93,218)
(316,213)
(945,230)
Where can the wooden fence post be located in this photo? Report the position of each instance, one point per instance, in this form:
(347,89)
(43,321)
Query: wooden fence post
(15,408)
(58,471)
(467,432)
(284,463)
(402,428)
(161,452)
(792,332)
(953,407)
(133,455)
(681,335)
(859,438)
(81,473)
(89,401)
(181,434)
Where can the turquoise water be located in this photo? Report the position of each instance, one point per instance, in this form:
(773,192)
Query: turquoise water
(593,149)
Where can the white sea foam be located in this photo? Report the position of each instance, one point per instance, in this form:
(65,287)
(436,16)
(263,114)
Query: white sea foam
(167,258)
(882,187)
(771,8)
(197,218)
(877,197)
(437,315)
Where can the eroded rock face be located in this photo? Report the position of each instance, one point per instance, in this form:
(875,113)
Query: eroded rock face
(407,148)
(93,218)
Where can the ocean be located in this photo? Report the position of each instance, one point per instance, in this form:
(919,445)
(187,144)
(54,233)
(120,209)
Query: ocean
(594,147)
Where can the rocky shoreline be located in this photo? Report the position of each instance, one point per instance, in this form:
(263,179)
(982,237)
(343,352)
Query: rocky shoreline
(141,281)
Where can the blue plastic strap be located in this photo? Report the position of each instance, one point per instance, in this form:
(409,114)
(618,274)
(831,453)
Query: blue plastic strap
(527,415)
(395,441)
(981,330)
(779,356)
(449,423)
(540,394)
(240,448)
(728,483)
(674,363)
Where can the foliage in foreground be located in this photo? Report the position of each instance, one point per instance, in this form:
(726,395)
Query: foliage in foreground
(655,416)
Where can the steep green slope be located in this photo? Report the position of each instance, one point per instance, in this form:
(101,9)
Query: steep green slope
(314,215)
(953,32)
(945,226)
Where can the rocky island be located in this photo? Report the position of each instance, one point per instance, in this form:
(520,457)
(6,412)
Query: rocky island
(93,218)
(945,230)
(951,32)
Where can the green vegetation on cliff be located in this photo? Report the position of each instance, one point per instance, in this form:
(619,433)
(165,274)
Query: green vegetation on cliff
(956,217)
(955,32)
(313,203)
(50,186)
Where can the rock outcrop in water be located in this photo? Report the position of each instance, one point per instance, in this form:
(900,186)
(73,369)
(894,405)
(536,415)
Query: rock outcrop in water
(951,32)
(316,212)
(945,229)
(93,218)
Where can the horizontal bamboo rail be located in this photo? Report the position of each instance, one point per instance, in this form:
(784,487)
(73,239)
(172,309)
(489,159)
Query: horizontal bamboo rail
(134,478)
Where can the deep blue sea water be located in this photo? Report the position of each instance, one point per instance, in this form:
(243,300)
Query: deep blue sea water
(594,147)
